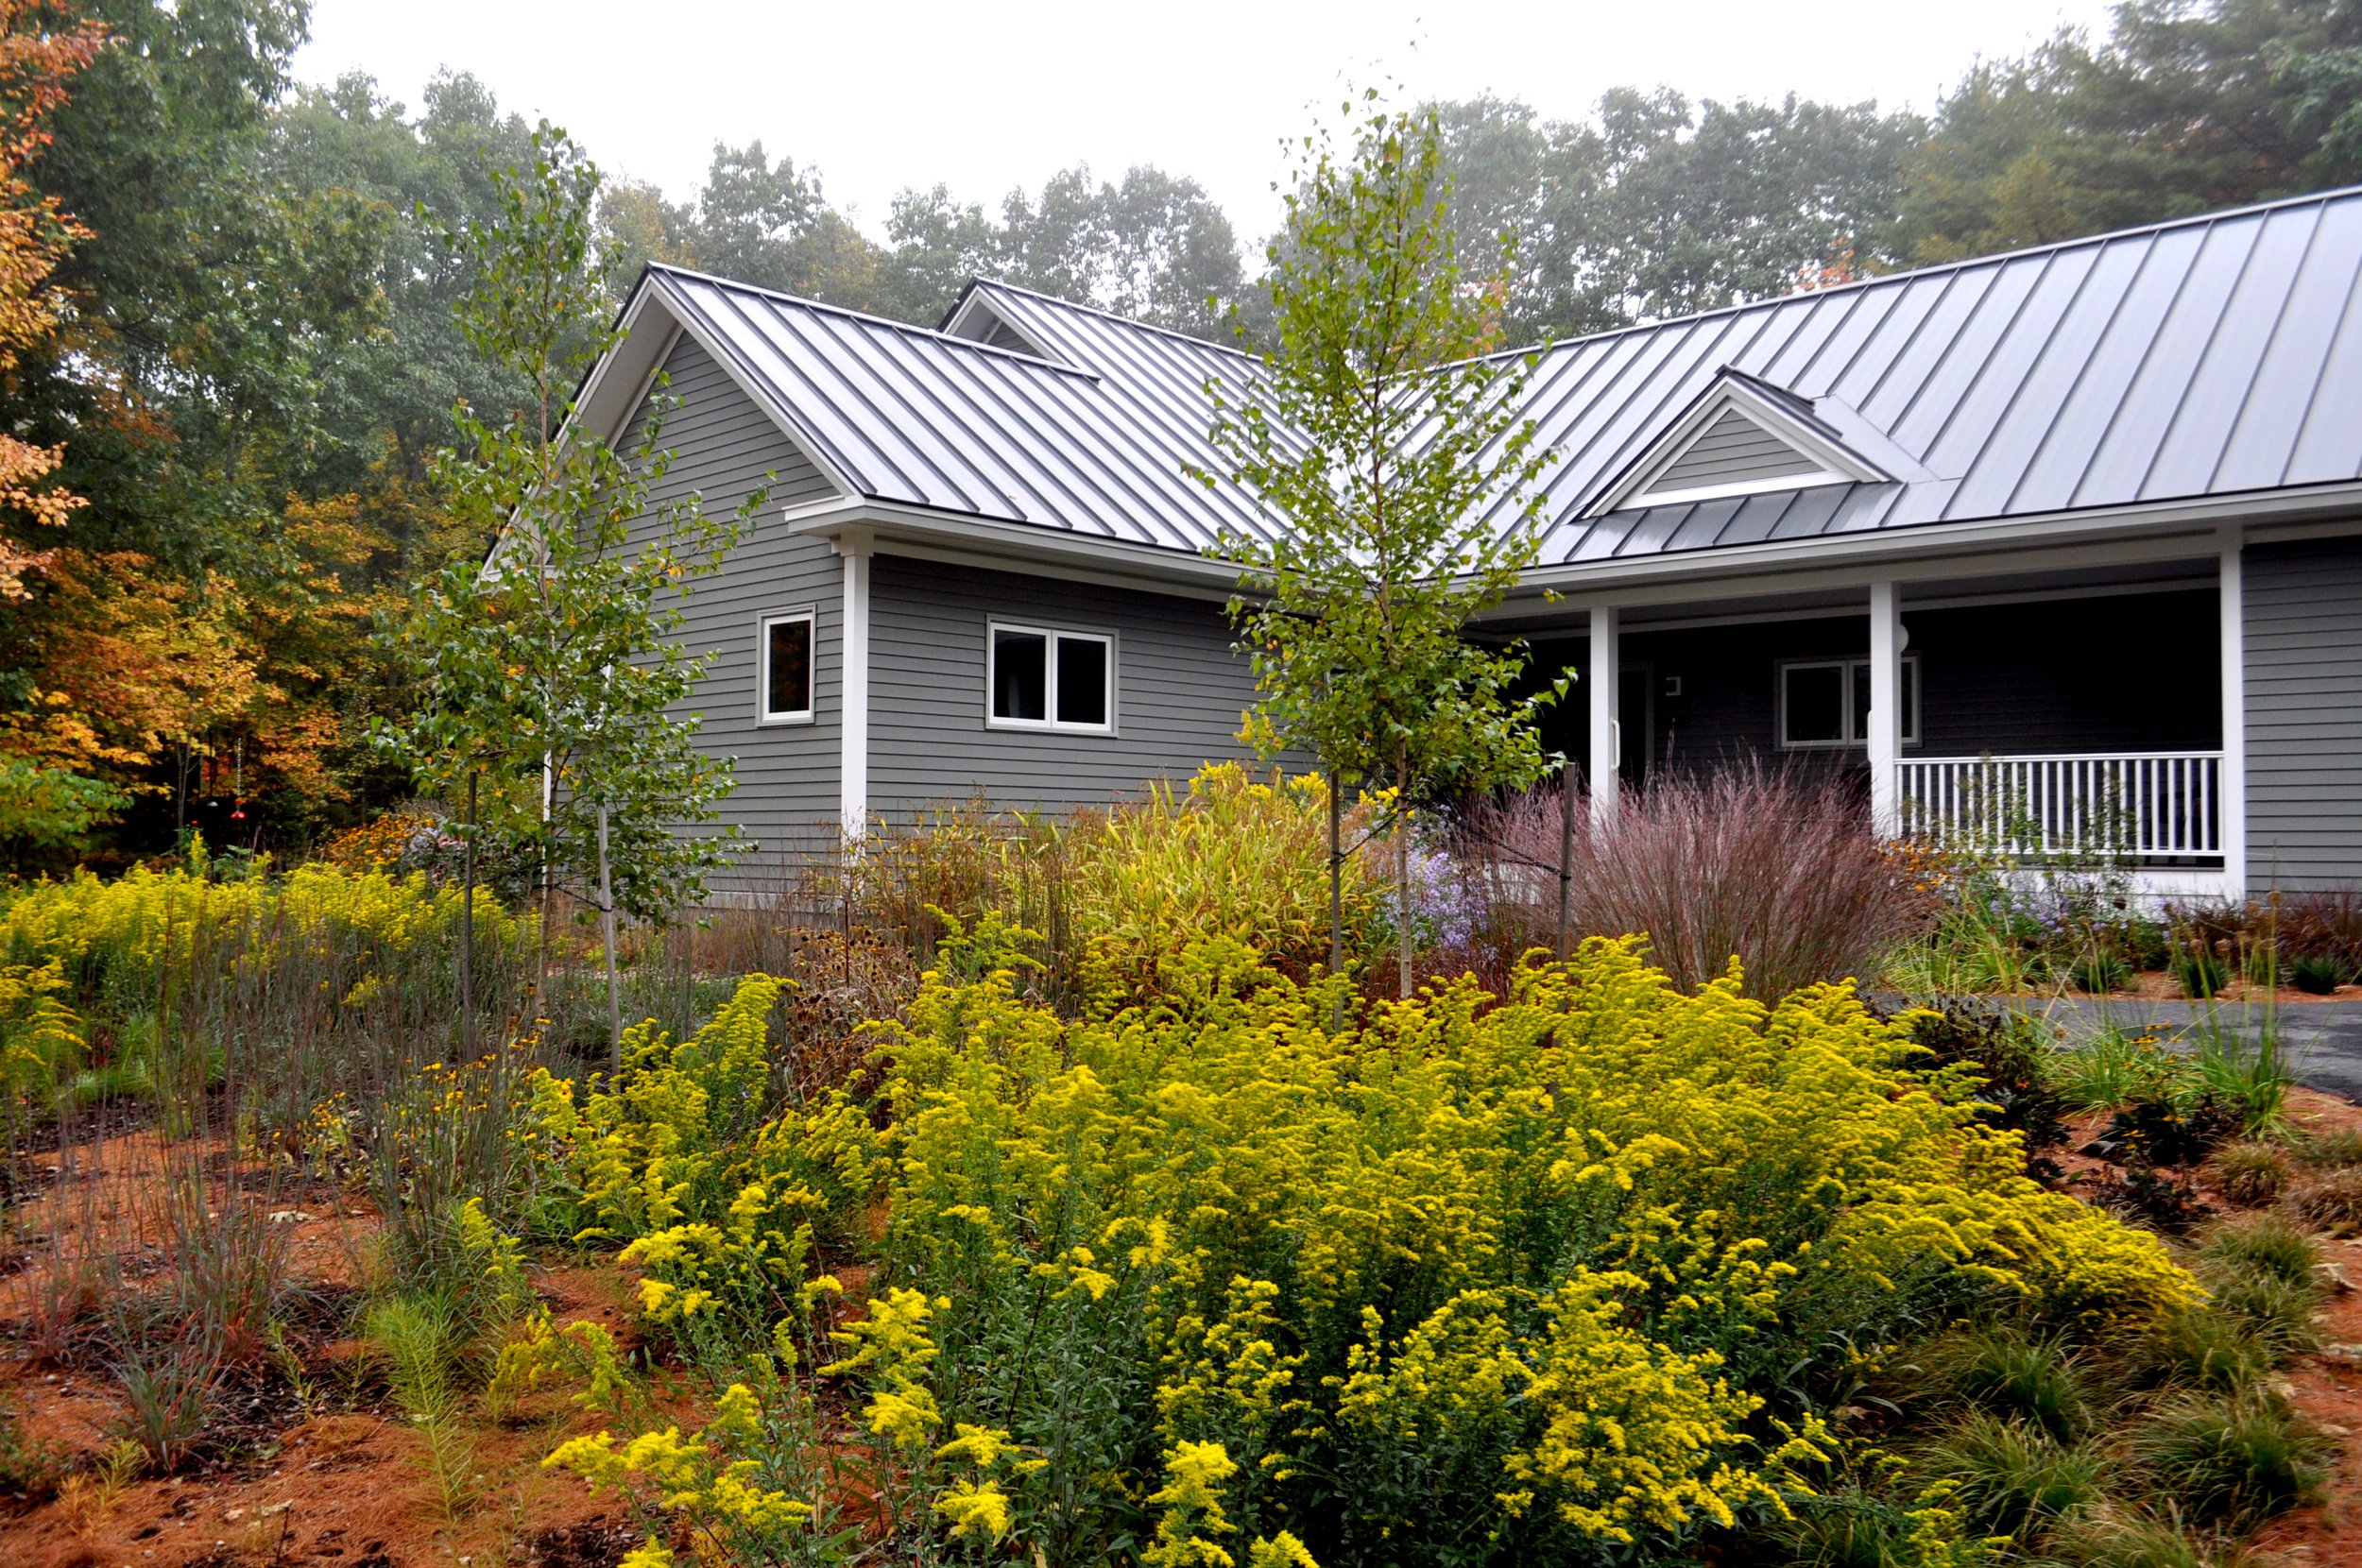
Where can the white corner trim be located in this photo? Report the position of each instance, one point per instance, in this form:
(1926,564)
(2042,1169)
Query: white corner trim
(2233,804)
(1838,465)
(1607,726)
(853,740)
(1885,740)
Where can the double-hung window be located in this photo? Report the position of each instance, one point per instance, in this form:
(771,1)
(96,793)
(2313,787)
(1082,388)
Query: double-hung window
(784,669)
(1042,678)
(1824,704)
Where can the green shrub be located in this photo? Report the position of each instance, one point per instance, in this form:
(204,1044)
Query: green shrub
(2277,1313)
(2109,1536)
(2004,1372)
(2114,1069)
(2100,973)
(2317,975)
(1233,856)
(2332,1199)
(2268,1244)
(2239,1457)
(2013,1479)
(1853,1528)
(2200,1348)
(2329,1151)
(2253,1173)
(2199,973)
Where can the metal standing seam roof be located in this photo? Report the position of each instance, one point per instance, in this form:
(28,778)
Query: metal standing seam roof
(2210,356)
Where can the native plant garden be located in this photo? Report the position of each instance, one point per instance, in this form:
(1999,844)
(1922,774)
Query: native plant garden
(1377,1164)
(1036,1222)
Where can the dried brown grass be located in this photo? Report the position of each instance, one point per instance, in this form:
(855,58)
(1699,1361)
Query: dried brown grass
(1774,867)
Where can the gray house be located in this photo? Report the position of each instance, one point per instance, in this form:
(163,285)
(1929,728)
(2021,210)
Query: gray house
(2078,529)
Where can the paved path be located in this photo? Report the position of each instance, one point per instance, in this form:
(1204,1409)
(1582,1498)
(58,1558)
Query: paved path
(2323,1039)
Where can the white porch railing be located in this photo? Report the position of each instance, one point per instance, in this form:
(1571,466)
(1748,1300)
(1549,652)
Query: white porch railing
(2143,805)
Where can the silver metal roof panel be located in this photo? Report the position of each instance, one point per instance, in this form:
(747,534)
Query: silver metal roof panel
(2211,356)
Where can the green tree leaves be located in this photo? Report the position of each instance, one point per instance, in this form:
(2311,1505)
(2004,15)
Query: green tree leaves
(1386,443)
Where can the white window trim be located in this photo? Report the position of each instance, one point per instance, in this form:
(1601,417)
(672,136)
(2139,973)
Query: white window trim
(994,627)
(1856,742)
(810,616)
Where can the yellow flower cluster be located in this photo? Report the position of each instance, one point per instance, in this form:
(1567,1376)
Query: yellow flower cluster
(715,1476)
(715,1205)
(1521,1256)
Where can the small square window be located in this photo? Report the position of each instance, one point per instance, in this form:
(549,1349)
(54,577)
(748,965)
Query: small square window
(1046,679)
(1824,705)
(785,677)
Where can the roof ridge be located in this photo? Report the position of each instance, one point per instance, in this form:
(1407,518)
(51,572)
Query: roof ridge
(980,280)
(869,318)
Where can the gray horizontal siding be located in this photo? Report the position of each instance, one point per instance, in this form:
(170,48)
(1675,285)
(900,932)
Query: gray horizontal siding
(2304,637)
(1180,692)
(1733,450)
(787,795)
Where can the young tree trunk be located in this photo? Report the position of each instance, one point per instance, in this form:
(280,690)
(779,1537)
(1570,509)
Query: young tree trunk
(549,889)
(1402,861)
(1336,874)
(607,925)
(466,932)
(1336,893)
(1565,850)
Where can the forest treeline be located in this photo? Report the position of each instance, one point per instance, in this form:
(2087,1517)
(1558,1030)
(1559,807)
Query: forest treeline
(228,350)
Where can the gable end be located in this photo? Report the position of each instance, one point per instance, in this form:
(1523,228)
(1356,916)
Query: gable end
(1732,449)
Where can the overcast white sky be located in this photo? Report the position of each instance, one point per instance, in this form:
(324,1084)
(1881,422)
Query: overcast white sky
(880,95)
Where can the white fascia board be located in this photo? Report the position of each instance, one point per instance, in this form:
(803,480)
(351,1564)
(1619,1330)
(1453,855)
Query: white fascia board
(965,540)
(1921,550)
(1838,462)
(675,323)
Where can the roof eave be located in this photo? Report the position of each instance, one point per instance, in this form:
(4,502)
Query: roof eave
(1017,547)
(1917,541)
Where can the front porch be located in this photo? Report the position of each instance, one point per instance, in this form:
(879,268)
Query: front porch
(2074,718)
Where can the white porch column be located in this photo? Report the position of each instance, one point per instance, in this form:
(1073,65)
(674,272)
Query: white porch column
(1886,708)
(2231,801)
(853,739)
(1606,728)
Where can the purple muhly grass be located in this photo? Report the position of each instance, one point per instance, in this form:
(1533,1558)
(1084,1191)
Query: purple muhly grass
(1773,867)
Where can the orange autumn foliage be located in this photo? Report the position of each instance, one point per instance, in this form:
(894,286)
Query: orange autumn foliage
(41,49)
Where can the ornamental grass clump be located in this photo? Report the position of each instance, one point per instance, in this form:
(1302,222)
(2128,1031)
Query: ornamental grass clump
(1775,867)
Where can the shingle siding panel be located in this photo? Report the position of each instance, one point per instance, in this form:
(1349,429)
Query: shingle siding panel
(1179,691)
(724,444)
(2304,665)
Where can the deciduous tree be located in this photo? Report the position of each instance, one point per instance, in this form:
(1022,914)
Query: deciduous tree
(1388,447)
(553,664)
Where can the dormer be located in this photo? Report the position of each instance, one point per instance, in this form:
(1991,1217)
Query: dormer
(979,321)
(1741,436)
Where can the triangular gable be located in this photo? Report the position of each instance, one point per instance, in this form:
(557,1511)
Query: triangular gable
(1739,438)
(976,320)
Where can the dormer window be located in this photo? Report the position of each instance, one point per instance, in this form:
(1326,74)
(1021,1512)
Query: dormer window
(1742,437)
(976,320)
